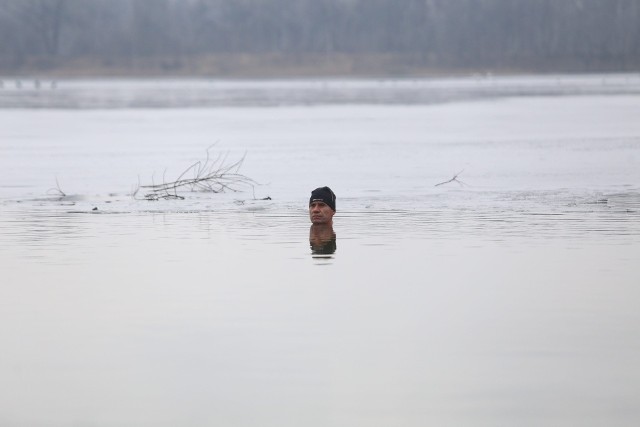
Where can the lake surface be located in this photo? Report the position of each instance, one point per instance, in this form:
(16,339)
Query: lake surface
(509,296)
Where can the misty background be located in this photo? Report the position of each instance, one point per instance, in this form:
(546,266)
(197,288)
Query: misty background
(316,37)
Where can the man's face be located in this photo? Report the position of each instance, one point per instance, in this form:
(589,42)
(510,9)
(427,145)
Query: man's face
(320,213)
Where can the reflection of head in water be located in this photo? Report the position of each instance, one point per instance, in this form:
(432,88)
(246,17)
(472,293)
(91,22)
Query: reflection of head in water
(322,206)
(322,239)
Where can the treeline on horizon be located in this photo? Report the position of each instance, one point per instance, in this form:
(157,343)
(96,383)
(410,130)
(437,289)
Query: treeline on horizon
(172,35)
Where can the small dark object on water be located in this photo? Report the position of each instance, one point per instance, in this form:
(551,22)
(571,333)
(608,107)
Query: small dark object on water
(94,209)
(266,198)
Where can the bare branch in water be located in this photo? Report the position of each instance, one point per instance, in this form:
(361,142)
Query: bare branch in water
(56,191)
(454,179)
(134,190)
(214,175)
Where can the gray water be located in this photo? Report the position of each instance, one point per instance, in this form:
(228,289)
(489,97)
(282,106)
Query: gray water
(508,299)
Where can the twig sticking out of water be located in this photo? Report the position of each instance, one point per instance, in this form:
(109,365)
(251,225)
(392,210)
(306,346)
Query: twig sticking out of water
(455,178)
(214,175)
(56,191)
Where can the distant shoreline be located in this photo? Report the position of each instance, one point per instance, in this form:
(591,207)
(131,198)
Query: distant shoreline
(268,66)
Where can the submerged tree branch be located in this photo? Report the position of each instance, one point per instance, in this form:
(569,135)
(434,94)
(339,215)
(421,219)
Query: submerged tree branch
(213,174)
(57,191)
(454,179)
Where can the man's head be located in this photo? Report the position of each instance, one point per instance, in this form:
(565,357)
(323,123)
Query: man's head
(322,206)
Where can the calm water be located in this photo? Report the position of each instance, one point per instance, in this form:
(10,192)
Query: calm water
(513,299)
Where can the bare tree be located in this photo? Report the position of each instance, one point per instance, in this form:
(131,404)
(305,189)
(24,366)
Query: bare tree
(466,34)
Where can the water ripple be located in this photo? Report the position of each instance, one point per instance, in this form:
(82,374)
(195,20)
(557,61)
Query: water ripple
(29,228)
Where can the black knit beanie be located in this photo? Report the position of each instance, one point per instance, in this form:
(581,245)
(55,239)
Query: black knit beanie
(324,194)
